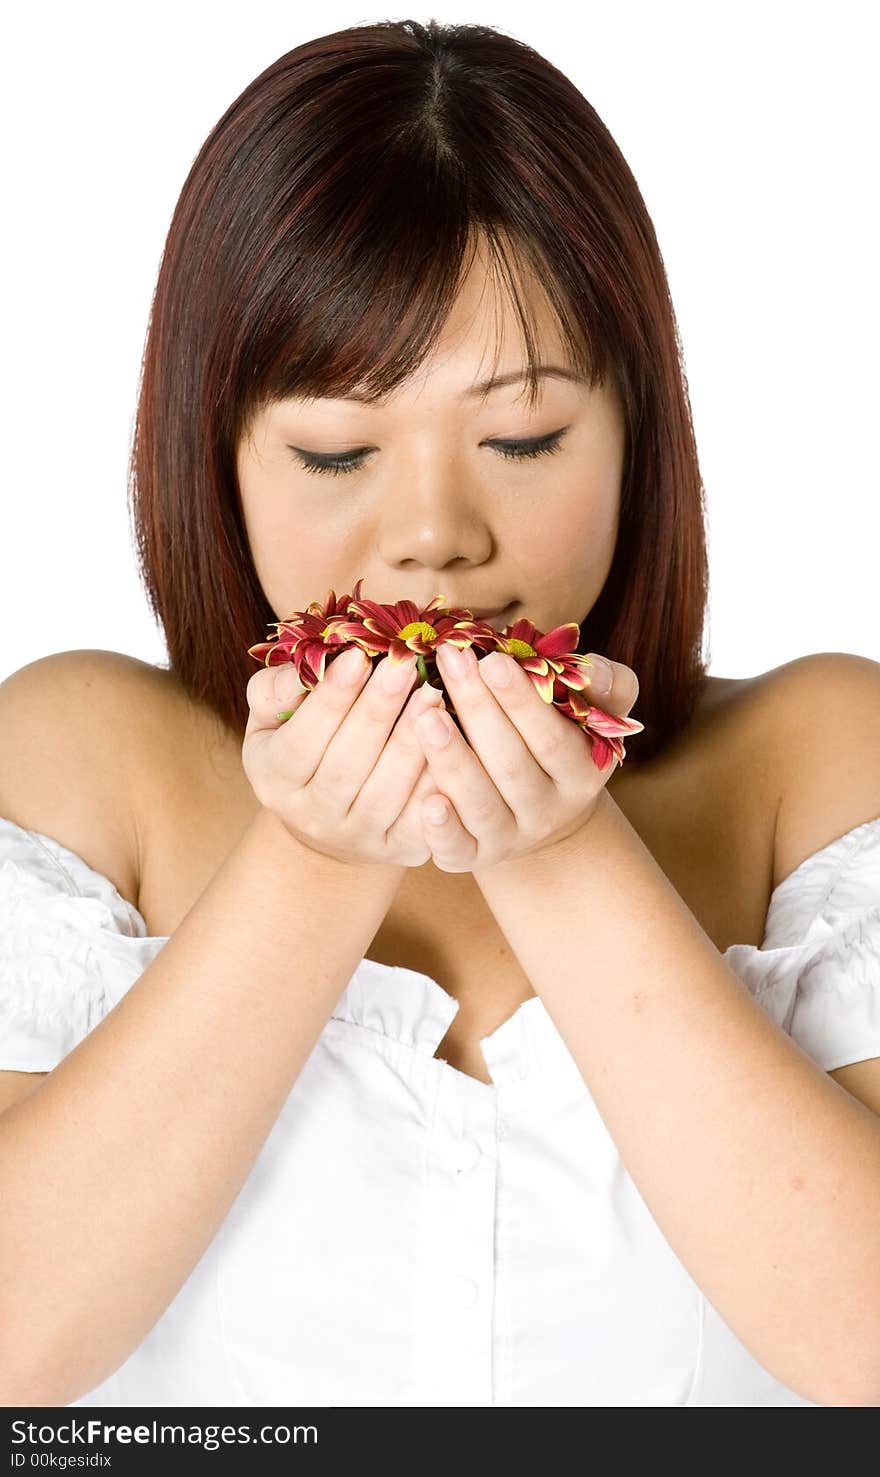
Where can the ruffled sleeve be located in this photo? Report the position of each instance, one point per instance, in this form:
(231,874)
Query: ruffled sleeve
(817,973)
(70,947)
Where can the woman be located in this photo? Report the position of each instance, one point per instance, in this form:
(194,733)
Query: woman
(512,1110)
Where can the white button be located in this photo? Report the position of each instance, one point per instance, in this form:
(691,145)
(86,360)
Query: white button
(464,1154)
(465,1291)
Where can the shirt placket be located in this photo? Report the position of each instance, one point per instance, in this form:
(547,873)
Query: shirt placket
(454,1310)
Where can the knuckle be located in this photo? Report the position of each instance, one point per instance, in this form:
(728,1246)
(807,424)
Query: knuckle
(376,710)
(556,741)
(327,782)
(407,735)
(485,811)
(254,756)
(340,698)
(286,686)
(372,804)
(258,687)
(481,701)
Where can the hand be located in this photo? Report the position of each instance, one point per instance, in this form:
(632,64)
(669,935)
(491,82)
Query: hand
(522,778)
(345,773)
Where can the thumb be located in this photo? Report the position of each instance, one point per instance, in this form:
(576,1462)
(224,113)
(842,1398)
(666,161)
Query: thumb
(425,785)
(271,693)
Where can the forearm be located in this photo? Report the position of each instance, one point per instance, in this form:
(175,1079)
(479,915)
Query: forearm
(116,1172)
(762,1173)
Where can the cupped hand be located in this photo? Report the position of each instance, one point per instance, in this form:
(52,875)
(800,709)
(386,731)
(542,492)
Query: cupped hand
(340,765)
(521,778)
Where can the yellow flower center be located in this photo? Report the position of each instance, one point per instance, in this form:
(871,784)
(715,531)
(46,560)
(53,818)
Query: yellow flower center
(520,648)
(418,628)
(328,629)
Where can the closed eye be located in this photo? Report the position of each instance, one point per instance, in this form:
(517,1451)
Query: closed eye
(352,461)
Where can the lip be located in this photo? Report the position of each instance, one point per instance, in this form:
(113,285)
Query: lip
(494,618)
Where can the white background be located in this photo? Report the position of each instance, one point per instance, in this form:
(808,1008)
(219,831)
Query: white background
(752,132)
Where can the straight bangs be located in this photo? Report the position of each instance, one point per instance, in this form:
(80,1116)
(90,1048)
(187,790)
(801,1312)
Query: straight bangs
(386,323)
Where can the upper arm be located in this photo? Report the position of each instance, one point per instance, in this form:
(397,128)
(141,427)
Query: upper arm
(67,730)
(826,722)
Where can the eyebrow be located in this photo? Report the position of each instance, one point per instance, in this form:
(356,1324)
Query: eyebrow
(516,376)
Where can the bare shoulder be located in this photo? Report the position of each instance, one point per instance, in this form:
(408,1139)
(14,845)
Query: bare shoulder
(824,723)
(747,787)
(72,734)
(826,727)
(806,736)
(716,773)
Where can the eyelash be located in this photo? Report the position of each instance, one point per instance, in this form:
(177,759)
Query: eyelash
(511,450)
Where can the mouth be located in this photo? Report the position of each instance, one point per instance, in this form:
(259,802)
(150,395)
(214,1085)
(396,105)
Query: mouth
(494,618)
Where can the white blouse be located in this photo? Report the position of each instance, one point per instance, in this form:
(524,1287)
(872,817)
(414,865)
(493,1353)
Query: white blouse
(409,1235)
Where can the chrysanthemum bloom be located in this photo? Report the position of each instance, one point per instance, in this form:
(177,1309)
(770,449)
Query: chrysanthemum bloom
(553,665)
(606,731)
(307,638)
(558,672)
(401,629)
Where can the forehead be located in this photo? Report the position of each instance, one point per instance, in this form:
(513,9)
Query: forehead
(481,348)
(483,387)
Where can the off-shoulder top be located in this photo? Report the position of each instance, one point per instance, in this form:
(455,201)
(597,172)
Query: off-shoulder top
(411,1235)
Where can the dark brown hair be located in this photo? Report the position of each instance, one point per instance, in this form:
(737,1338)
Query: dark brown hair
(318,245)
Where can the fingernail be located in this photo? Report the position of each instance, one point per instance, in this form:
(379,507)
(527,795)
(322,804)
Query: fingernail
(425,696)
(457,661)
(349,667)
(601,676)
(397,675)
(497,669)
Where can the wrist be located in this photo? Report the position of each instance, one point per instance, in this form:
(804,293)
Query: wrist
(276,835)
(571,848)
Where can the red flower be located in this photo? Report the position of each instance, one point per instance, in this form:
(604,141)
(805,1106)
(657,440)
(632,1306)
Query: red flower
(553,664)
(307,638)
(548,659)
(559,673)
(606,731)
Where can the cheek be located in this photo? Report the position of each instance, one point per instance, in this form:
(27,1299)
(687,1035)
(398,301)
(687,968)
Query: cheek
(590,526)
(296,559)
(580,538)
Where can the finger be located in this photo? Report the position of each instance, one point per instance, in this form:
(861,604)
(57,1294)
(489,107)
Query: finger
(313,724)
(602,708)
(349,758)
(409,823)
(425,785)
(453,848)
(461,776)
(613,686)
(526,746)
(388,788)
(271,692)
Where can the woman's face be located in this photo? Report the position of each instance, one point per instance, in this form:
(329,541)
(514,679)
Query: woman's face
(432,506)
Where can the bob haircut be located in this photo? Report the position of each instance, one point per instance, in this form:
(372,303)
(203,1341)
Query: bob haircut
(317,247)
